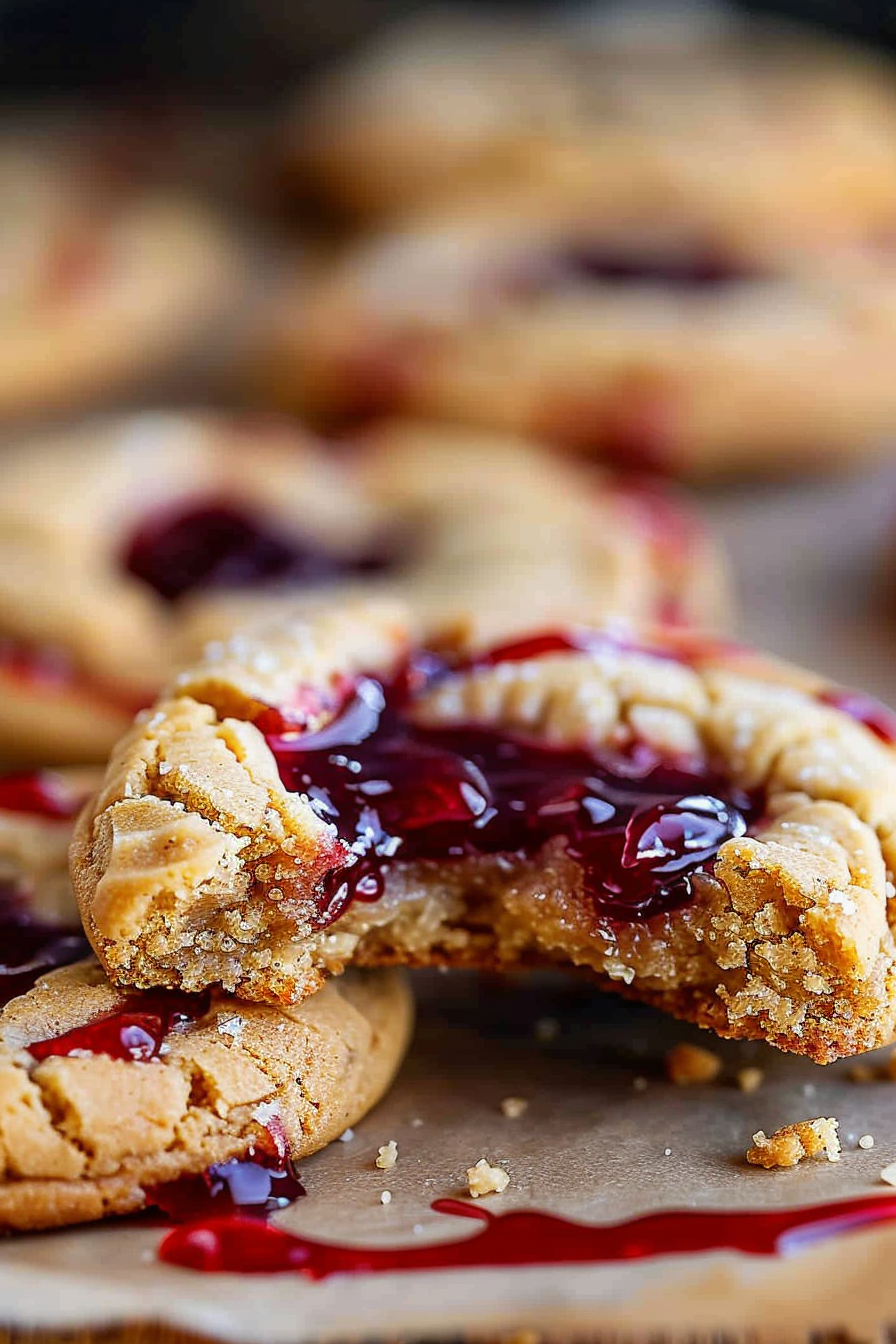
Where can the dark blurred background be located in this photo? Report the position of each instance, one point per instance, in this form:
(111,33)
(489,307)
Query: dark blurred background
(251,50)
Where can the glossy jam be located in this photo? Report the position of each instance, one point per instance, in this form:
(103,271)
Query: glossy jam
(212,545)
(245,1246)
(253,1188)
(638,827)
(133,1033)
(864,709)
(39,793)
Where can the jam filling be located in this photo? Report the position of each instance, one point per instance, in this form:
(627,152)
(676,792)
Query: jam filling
(237,1245)
(32,947)
(252,1188)
(211,545)
(864,709)
(581,263)
(638,826)
(136,1032)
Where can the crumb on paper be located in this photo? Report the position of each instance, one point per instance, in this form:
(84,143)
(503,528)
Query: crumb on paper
(346,1136)
(547,1029)
(866,1141)
(386,1197)
(514,1107)
(888,1175)
(416,1122)
(484,1179)
(750,1079)
(639,1083)
(687,1064)
(787,1146)
(667,1152)
(387,1155)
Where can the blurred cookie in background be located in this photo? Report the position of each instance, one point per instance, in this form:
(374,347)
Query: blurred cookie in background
(727,125)
(127,542)
(107,282)
(646,345)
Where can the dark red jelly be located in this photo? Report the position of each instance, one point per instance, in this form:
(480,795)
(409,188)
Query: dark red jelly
(638,826)
(210,545)
(136,1032)
(31,949)
(525,1237)
(864,709)
(40,793)
(255,1187)
(583,263)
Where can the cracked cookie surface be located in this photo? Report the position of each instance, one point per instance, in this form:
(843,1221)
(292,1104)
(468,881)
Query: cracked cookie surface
(126,543)
(698,826)
(196,1080)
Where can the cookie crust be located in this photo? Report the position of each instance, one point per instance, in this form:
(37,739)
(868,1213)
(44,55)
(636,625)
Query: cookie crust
(194,865)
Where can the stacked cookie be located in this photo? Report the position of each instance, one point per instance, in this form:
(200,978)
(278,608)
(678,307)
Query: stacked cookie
(308,712)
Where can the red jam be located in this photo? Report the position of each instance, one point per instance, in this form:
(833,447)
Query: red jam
(245,1246)
(133,1033)
(255,1188)
(212,545)
(40,793)
(638,826)
(864,709)
(32,949)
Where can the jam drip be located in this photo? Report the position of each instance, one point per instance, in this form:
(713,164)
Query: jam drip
(213,545)
(244,1246)
(639,827)
(135,1032)
(252,1188)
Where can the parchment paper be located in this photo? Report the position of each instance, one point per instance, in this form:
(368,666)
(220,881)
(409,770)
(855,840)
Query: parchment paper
(810,563)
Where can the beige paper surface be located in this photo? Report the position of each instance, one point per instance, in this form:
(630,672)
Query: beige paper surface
(590,1145)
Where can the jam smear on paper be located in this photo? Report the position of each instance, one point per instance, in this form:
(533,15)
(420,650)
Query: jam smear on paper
(238,1245)
(639,827)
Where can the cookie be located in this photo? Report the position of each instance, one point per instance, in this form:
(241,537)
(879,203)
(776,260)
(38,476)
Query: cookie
(648,347)
(198,1080)
(699,827)
(126,543)
(738,130)
(103,284)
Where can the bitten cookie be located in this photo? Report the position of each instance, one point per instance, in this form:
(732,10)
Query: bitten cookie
(196,1080)
(649,346)
(700,827)
(102,284)
(126,543)
(739,129)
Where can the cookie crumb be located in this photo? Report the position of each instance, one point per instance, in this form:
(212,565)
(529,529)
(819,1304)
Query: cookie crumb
(416,1122)
(514,1107)
(688,1064)
(346,1136)
(749,1079)
(387,1155)
(667,1152)
(889,1174)
(866,1141)
(386,1197)
(484,1179)
(861,1073)
(788,1145)
(639,1083)
(547,1029)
